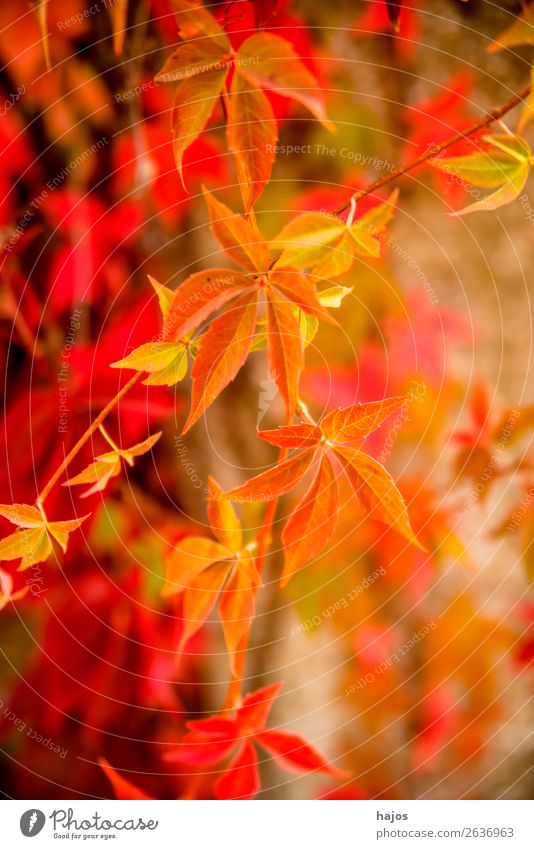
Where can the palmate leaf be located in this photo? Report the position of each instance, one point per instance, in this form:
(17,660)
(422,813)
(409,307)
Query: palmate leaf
(269,61)
(377,491)
(109,465)
(194,102)
(32,543)
(201,66)
(285,352)
(222,352)
(198,297)
(252,135)
(328,245)
(505,168)
(312,523)
(239,237)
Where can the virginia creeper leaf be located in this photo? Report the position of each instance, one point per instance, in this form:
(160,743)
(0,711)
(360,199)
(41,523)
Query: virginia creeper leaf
(242,779)
(195,58)
(274,482)
(300,290)
(312,523)
(252,135)
(200,597)
(284,350)
(377,491)
(150,357)
(357,421)
(222,518)
(293,436)
(238,236)
(269,61)
(194,101)
(294,753)
(189,557)
(222,352)
(199,296)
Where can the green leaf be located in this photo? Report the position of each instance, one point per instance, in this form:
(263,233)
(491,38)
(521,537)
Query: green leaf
(165,295)
(506,168)
(171,374)
(151,356)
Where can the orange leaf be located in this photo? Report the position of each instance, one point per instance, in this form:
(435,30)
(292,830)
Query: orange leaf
(122,788)
(194,20)
(241,780)
(194,58)
(356,422)
(222,518)
(252,135)
(284,351)
(223,350)
(237,605)
(188,558)
(201,596)
(194,101)
(293,436)
(312,523)
(198,297)
(377,491)
(274,482)
(300,290)
(118,12)
(238,236)
(269,61)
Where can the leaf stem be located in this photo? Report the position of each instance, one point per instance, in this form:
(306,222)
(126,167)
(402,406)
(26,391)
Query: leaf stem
(435,150)
(95,424)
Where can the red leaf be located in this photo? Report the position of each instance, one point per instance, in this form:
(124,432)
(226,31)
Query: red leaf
(294,753)
(238,236)
(209,741)
(122,788)
(241,780)
(253,713)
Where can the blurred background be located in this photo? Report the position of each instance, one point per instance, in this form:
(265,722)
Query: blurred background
(412,668)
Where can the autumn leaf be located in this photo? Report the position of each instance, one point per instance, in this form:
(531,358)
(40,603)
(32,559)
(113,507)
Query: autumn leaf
(376,490)
(122,787)
(210,740)
(223,350)
(33,541)
(164,295)
(109,465)
(269,61)
(7,596)
(313,521)
(41,10)
(520,32)
(118,12)
(506,168)
(284,350)
(239,237)
(198,297)
(204,571)
(194,102)
(252,136)
(327,245)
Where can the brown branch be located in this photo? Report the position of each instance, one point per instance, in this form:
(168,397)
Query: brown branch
(95,424)
(435,150)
